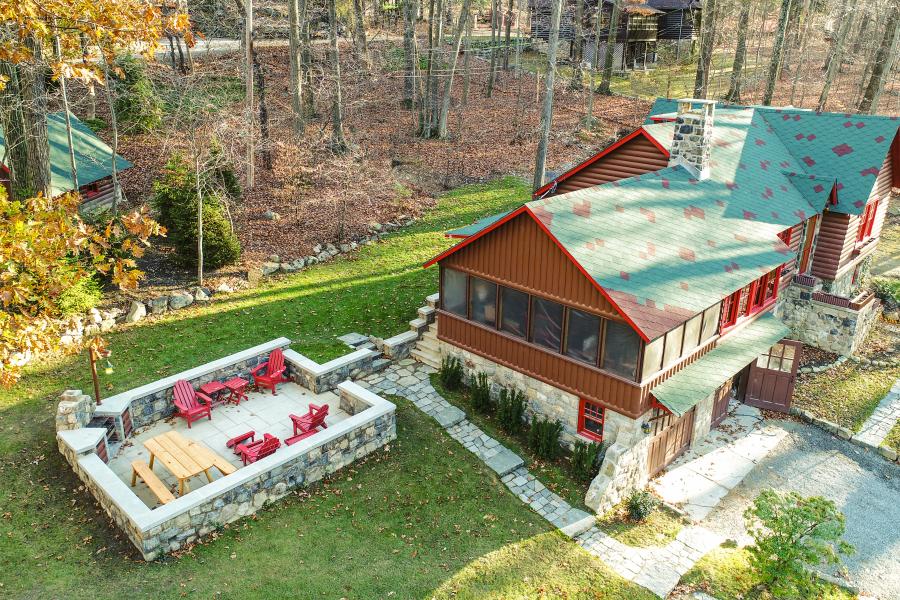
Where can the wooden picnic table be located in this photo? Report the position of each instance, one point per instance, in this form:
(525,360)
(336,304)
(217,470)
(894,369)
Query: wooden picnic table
(185,458)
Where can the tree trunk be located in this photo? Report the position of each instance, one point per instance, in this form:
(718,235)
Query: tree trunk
(610,46)
(740,55)
(338,141)
(73,167)
(495,39)
(34,113)
(775,63)
(883,62)
(260,77)
(509,14)
(835,57)
(540,165)
(576,83)
(296,75)
(707,41)
(448,83)
(15,155)
(409,49)
(361,45)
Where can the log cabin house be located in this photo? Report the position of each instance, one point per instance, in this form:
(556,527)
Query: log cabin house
(640,291)
(93,162)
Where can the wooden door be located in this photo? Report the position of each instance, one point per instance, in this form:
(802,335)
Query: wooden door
(720,404)
(809,233)
(772,375)
(670,441)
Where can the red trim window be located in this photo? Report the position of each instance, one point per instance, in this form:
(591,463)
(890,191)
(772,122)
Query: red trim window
(590,420)
(867,222)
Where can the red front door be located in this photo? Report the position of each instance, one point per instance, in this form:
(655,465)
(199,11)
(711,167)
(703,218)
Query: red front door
(771,381)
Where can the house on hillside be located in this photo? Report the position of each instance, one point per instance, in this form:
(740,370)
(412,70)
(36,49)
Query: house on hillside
(641,26)
(639,292)
(93,162)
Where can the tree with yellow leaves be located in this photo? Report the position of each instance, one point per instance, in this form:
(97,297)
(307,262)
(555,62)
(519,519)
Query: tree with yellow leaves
(46,248)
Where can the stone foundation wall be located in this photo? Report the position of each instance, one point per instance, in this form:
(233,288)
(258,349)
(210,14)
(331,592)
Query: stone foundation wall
(825,326)
(542,399)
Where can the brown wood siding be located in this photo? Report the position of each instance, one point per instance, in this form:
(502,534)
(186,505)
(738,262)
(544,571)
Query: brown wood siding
(519,254)
(634,157)
(834,244)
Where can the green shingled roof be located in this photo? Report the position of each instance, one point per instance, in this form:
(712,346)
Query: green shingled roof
(682,391)
(477,226)
(93,157)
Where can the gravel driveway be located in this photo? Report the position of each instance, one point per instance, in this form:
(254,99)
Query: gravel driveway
(865,487)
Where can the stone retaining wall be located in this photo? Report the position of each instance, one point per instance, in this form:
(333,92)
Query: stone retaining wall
(184,521)
(832,328)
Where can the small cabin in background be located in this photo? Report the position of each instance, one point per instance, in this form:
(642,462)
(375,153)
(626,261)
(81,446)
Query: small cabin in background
(642,25)
(93,161)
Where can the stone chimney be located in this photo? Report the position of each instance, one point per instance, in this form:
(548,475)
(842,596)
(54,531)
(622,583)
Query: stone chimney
(693,136)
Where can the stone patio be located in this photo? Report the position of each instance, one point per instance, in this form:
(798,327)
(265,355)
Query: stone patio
(261,412)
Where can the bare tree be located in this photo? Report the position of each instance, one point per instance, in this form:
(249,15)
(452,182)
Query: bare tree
(836,56)
(338,140)
(707,42)
(740,54)
(883,62)
(540,166)
(775,63)
(610,45)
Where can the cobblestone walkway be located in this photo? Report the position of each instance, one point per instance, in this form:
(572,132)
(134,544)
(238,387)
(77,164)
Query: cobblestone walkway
(880,423)
(657,569)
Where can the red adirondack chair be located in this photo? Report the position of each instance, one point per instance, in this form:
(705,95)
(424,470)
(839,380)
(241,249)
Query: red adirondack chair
(254,451)
(271,372)
(189,403)
(312,420)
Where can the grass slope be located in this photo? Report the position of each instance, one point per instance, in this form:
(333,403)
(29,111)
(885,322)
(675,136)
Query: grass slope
(420,517)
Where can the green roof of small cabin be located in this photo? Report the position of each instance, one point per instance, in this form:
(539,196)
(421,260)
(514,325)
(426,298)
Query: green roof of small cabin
(680,392)
(665,246)
(93,158)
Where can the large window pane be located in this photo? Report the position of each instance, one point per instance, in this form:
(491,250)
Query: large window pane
(673,345)
(621,347)
(710,322)
(513,311)
(453,296)
(546,323)
(691,334)
(653,357)
(483,298)
(583,336)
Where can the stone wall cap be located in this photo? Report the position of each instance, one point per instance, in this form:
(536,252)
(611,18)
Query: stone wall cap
(116,405)
(81,440)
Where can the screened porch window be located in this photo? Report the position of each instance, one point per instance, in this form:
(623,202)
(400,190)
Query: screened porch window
(513,311)
(621,348)
(453,296)
(483,301)
(583,336)
(546,323)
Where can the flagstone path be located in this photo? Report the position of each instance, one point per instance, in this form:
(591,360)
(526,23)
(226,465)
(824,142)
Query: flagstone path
(658,569)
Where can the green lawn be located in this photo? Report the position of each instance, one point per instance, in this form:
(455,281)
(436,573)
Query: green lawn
(725,573)
(422,519)
(658,529)
(556,475)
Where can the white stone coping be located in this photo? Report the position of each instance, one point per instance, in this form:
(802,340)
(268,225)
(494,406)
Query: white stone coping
(311,366)
(144,518)
(81,440)
(116,405)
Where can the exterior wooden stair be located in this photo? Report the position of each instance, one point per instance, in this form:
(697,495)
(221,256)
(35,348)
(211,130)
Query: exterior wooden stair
(427,349)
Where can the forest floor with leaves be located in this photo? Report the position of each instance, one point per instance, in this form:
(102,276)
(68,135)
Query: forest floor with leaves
(390,171)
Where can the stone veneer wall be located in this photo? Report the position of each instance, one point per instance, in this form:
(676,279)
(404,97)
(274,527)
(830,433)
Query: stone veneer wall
(542,399)
(182,522)
(825,326)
